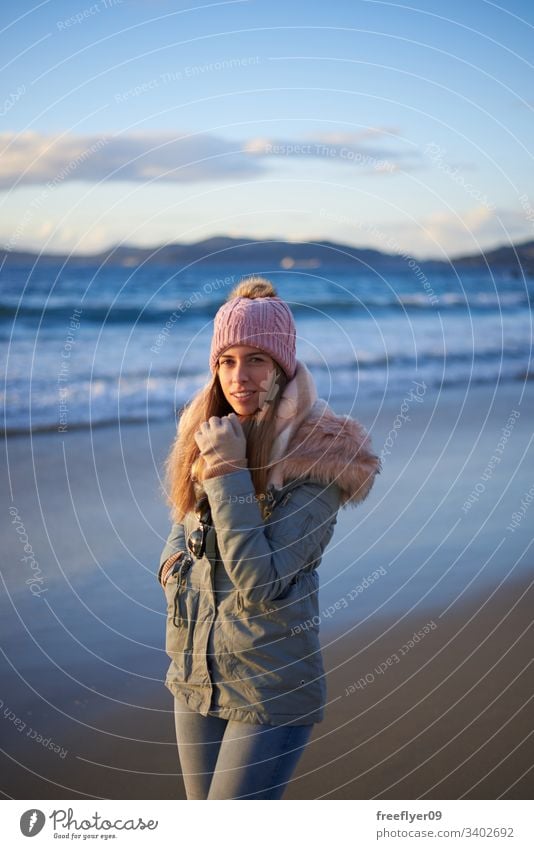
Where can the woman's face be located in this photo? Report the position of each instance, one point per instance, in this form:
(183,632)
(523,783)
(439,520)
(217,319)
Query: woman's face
(246,376)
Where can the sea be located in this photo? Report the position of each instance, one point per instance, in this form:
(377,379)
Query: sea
(85,346)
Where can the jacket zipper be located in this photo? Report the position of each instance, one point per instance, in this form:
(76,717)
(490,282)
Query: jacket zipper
(270,498)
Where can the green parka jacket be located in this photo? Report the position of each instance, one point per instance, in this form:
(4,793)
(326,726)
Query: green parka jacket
(243,621)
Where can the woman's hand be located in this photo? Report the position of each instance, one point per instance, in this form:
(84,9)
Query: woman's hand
(222,444)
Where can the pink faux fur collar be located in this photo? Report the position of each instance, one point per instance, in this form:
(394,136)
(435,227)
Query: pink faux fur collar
(313,442)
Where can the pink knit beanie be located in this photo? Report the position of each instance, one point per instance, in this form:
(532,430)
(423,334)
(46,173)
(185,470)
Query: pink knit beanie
(254,315)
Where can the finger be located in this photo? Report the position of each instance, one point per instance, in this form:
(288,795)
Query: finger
(234,419)
(201,435)
(231,423)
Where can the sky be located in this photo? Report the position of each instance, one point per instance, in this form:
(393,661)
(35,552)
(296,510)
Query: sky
(400,127)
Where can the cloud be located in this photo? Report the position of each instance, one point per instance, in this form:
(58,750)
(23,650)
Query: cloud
(346,148)
(30,158)
(35,158)
(471,231)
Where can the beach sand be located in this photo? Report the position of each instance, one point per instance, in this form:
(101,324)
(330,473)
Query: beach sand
(444,715)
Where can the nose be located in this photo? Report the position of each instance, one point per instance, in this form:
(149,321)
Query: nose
(240,373)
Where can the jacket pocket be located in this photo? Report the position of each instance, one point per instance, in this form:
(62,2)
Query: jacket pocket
(182,614)
(286,673)
(300,591)
(271,640)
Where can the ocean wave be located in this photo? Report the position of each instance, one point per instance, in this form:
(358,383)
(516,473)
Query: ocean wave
(157,314)
(97,377)
(87,403)
(359,337)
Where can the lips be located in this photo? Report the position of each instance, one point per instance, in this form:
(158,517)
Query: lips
(242,396)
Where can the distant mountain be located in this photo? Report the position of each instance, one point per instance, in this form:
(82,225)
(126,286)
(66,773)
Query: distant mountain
(513,258)
(219,251)
(254,253)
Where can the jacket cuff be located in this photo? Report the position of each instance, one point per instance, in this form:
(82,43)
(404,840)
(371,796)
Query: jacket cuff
(224,468)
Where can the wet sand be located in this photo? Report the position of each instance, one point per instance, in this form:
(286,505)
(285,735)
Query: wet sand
(448,716)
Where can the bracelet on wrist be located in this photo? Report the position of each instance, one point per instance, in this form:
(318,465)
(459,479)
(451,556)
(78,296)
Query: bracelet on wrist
(167,567)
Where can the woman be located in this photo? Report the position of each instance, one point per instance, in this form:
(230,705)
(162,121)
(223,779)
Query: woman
(256,475)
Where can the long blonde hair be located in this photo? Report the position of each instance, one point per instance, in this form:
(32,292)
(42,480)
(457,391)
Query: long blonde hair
(184,463)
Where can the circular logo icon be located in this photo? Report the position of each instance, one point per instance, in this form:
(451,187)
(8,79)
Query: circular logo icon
(31,822)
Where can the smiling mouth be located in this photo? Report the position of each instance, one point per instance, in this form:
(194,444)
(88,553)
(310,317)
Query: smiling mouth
(242,396)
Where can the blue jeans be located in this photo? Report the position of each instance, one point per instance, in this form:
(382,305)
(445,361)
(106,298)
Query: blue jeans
(226,759)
